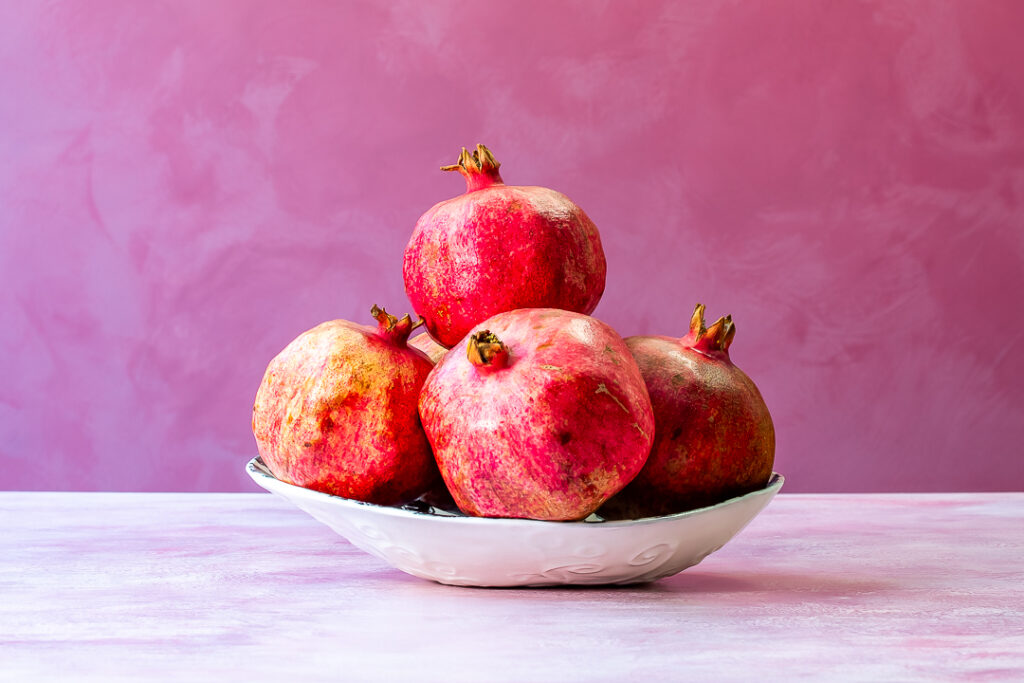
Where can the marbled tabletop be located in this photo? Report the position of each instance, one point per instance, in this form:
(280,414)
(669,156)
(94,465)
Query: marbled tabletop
(137,586)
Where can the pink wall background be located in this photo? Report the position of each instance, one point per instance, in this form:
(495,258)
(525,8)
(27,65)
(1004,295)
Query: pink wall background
(186,186)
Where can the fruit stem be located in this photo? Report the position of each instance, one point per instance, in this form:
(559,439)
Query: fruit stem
(486,351)
(479,168)
(711,341)
(395,330)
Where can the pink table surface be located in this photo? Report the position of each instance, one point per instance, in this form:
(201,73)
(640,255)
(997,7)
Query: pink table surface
(124,586)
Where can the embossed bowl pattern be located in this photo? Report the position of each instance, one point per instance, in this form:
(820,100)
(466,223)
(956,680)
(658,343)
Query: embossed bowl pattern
(474,551)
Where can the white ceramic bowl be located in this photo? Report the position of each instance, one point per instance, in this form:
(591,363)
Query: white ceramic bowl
(474,551)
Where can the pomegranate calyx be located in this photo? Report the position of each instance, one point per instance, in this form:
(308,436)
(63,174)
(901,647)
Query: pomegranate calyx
(396,330)
(486,351)
(479,168)
(697,329)
(711,341)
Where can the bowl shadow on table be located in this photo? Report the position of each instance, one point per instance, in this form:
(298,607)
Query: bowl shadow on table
(774,582)
(793,585)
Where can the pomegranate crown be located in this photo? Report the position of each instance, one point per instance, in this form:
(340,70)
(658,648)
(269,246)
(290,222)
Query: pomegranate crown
(714,340)
(479,168)
(486,352)
(396,330)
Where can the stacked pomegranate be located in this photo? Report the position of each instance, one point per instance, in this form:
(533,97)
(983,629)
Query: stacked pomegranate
(514,402)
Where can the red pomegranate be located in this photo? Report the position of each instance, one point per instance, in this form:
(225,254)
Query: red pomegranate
(714,438)
(497,248)
(336,412)
(425,343)
(545,416)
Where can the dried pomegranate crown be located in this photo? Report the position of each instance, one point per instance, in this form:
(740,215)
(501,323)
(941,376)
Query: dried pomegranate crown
(397,330)
(711,341)
(485,350)
(479,168)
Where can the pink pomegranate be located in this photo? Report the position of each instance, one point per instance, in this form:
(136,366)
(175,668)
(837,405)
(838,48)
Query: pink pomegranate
(425,343)
(497,248)
(714,438)
(336,412)
(545,416)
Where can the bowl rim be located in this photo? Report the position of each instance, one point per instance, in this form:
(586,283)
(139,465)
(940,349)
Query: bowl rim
(259,472)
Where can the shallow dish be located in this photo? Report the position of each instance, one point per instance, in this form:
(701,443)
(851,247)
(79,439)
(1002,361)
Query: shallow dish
(474,551)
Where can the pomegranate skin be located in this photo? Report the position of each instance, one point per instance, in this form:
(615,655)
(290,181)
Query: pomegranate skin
(423,342)
(551,426)
(337,412)
(714,438)
(527,247)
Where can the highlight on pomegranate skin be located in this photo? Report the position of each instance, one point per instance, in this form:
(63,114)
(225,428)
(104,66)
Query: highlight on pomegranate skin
(545,415)
(714,438)
(337,412)
(497,248)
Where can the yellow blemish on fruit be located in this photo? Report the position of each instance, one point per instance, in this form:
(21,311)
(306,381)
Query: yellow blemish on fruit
(602,389)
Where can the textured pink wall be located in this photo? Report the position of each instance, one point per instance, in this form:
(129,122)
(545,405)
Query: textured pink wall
(186,186)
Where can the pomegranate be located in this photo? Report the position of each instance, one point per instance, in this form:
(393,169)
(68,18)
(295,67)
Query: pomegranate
(336,412)
(526,247)
(714,438)
(545,416)
(423,342)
